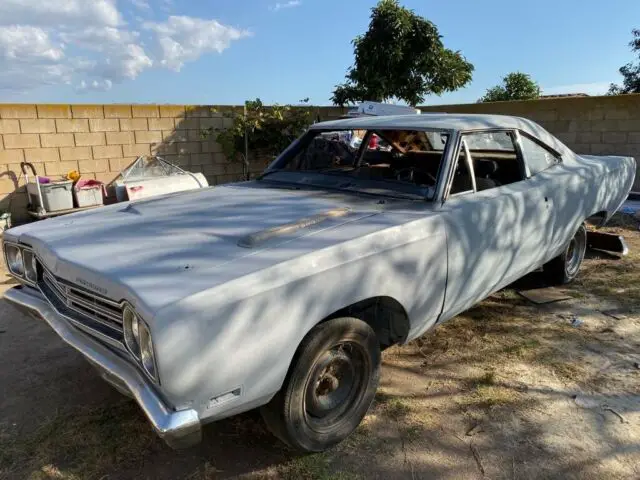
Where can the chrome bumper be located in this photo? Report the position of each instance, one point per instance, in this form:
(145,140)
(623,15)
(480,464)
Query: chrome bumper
(178,428)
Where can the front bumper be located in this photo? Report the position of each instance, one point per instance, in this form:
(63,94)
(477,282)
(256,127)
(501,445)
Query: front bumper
(178,428)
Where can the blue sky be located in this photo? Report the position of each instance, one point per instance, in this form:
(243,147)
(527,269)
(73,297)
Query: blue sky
(226,51)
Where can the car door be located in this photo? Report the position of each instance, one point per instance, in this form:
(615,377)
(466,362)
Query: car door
(497,224)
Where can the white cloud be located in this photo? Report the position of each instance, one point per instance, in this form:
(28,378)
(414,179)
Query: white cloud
(96,86)
(86,43)
(27,44)
(594,88)
(59,12)
(289,4)
(182,39)
(141,4)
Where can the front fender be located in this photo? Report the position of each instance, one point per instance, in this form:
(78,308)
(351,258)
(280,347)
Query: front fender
(242,336)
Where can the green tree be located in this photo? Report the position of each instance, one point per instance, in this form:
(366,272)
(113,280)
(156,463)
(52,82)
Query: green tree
(515,86)
(401,56)
(630,72)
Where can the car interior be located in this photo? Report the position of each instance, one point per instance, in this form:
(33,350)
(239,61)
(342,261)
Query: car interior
(406,156)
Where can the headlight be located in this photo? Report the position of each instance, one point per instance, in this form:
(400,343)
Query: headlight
(138,340)
(15,262)
(131,326)
(30,266)
(146,351)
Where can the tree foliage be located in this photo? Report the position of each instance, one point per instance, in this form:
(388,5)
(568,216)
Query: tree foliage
(269,130)
(401,56)
(515,86)
(630,72)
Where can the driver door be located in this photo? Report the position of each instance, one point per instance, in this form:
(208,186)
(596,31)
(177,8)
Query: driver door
(495,233)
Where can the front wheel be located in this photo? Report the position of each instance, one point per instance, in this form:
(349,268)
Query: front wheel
(329,388)
(564,268)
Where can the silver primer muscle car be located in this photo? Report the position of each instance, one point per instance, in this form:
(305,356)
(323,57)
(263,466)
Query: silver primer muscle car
(280,293)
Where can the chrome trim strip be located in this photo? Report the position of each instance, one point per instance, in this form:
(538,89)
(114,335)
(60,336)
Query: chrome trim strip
(178,428)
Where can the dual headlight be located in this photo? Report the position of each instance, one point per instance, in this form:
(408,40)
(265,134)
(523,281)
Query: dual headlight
(21,262)
(138,340)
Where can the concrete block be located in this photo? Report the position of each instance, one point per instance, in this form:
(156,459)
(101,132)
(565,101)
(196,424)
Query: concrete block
(18,111)
(172,111)
(75,153)
(95,166)
(117,111)
(161,123)
(136,150)
(145,111)
(72,126)
(87,111)
(104,125)
(54,111)
(198,111)
(189,147)
(148,137)
(634,137)
(202,159)
(120,138)
(38,126)
(11,156)
(109,151)
(106,177)
(57,139)
(9,126)
(589,137)
(119,164)
(89,139)
(173,136)
(31,140)
(131,124)
(614,137)
(187,123)
(210,146)
(60,168)
(164,149)
(41,155)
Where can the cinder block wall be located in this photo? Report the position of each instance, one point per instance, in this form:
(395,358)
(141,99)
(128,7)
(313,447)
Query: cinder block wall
(607,125)
(100,140)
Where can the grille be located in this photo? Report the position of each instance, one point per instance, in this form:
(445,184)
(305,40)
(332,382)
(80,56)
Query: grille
(82,306)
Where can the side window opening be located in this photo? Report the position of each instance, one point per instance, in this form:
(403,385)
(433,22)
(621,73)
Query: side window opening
(537,157)
(495,161)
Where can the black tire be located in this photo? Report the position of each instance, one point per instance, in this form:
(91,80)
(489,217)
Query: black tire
(564,268)
(329,387)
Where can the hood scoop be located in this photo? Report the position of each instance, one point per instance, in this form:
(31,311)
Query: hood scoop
(255,239)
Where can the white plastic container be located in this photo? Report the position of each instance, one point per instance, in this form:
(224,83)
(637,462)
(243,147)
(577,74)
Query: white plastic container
(88,196)
(55,196)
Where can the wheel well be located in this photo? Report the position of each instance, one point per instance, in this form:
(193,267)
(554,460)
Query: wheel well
(597,219)
(385,315)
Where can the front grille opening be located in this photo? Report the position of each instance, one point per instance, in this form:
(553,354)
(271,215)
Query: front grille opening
(93,312)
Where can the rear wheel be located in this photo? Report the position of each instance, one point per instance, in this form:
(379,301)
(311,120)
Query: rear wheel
(330,386)
(564,268)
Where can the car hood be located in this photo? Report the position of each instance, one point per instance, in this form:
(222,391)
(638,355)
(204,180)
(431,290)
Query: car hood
(157,251)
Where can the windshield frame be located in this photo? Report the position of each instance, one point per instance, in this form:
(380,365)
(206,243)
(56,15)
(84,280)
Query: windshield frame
(430,193)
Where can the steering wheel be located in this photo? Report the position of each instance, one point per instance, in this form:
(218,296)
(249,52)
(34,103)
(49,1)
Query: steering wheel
(407,174)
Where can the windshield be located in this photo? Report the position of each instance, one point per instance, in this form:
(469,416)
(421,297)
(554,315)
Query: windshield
(404,161)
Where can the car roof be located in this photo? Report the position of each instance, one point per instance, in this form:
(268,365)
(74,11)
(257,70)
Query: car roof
(446,121)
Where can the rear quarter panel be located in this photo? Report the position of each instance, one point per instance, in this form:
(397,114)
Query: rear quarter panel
(584,186)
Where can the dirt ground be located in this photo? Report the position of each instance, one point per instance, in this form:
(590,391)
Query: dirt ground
(508,390)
